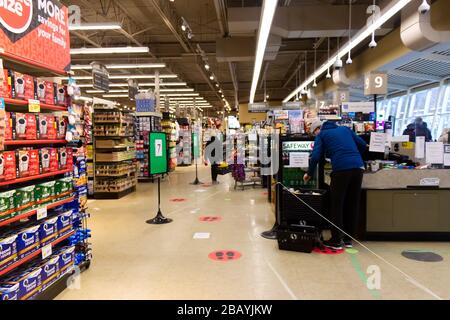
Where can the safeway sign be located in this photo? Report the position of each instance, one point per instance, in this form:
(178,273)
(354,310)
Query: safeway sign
(35,32)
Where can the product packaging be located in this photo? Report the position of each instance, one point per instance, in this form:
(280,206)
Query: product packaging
(45,91)
(63,185)
(7,165)
(65,158)
(61,127)
(7,206)
(60,94)
(24,197)
(65,223)
(66,259)
(8,251)
(50,271)
(29,281)
(25,126)
(9,291)
(44,191)
(49,159)
(8,126)
(27,241)
(5,86)
(48,231)
(28,163)
(47,127)
(22,86)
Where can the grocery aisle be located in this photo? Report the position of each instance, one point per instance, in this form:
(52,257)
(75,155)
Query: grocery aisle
(134,260)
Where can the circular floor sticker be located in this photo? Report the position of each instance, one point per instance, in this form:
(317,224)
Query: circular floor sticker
(225,255)
(210,218)
(325,250)
(178,199)
(351,251)
(424,256)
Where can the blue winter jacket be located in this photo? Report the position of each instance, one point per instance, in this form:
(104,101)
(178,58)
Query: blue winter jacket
(341,145)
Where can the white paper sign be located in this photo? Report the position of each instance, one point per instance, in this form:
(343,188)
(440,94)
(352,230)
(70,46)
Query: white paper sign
(447,155)
(158,148)
(47,251)
(201,235)
(377,142)
(299,160)
(420,147)
(41,213)
(430,182)
(434,152)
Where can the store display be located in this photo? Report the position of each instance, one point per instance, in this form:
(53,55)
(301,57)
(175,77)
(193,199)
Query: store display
(169,126)
(144,125)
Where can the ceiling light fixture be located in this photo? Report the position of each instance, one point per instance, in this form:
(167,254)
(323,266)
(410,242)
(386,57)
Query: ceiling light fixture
(387,13)
(115,96)
(95,26)
(121,66)
(206,66)
(268,11)
(349,59)
(211,77)
(110,50)
(328,76)
(424,7)
(372,10)
(126,76)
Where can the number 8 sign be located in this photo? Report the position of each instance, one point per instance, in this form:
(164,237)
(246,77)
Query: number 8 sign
(375,83)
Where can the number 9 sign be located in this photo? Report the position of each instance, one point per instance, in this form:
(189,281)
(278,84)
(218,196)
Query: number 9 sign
(375,83)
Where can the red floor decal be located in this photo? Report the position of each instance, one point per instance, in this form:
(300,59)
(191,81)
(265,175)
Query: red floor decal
(177,199)
(206,185)
(210,218)
(225,255)
(265,193)
(327,251)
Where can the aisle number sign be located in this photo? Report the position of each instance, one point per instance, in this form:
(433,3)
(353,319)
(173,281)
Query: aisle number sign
(375,83)
(157,153)
(34,105)
(195,145)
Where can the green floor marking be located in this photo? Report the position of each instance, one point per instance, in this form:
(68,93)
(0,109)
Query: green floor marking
(362,275)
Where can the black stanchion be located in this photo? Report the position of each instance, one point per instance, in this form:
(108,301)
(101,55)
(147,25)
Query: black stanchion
(159,219)
(196,181)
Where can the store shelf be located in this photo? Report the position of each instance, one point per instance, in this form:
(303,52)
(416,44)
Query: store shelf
(114,195)
(40,176)
(34,211)
(31,66)
(33,255)
(33,142)
(45,106)
(113,137)
(149,114)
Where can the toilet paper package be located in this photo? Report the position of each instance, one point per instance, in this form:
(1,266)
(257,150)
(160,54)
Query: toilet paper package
(24,126)
(60,94)
(49,159)
(22,86)
(44,191)
(29,281)
(24,197)
(27,163)
(9,291)
(7,205)
(48,231)
(27,241)
(47,126)
(7,165)
(49,271)
(8,251)
(65,223)
(66,259)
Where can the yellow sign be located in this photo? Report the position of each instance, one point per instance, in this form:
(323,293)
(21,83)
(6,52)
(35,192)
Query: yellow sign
(34,105)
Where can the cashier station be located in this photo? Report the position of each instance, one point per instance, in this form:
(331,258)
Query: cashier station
(395,206)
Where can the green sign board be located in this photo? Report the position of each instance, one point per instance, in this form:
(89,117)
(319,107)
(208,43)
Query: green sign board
(157,153)
(195,145)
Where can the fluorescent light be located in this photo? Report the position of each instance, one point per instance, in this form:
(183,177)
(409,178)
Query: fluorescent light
(124,84)
(177,90)
(84,98)
(115,96)
(180,95)
(265,23)
(96,26)
(125,76)
(110,91)
(121,66)
(110,50)
(388,12)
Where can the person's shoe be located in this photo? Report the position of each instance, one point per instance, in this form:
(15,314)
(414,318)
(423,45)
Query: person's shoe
(348,243)
(331,244)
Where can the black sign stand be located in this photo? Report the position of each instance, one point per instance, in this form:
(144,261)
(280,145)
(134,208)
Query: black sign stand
(196,181)
(159,219)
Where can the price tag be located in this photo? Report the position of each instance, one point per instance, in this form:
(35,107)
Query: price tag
(47,251)
(34,105)
(41,213)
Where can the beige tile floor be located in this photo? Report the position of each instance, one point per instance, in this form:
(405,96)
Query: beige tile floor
(134,260)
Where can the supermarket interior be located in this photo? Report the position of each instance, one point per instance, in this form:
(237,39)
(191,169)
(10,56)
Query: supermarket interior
(225,150)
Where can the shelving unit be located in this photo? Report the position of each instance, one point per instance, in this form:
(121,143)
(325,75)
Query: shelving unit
(31,178)
(146,122)
(169,127)
(32,142)
(44,106)
(114,152)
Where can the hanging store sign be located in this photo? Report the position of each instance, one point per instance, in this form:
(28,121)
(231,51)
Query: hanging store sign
(262,107)
(157,153)
(363,107)
(100,76)
(292,105)
(35,32)
(298,145)
(133,88)
(375,83)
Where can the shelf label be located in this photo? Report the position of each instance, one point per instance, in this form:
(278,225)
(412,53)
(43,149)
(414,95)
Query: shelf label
(47,251)
(34,105)
(41,213)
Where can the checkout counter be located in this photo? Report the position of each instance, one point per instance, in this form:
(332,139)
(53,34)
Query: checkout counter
(397,204)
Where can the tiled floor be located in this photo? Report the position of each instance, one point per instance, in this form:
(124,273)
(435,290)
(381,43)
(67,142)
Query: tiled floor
(134,260)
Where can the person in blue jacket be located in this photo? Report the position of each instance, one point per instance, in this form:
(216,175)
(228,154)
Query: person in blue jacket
(344,148)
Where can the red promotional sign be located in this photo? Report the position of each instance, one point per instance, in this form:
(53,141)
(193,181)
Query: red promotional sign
(36,32)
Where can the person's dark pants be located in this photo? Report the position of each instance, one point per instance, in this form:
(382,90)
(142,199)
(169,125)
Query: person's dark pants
(214,172)
(345,192)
